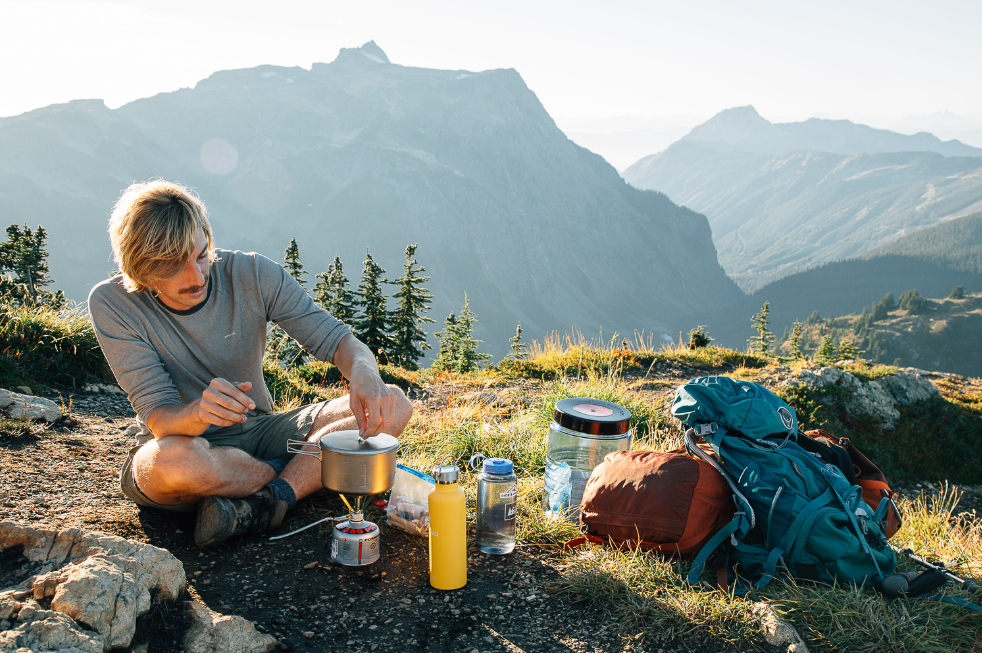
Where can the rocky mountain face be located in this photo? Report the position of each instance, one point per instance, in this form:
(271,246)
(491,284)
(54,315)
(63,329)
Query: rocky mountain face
(365,153)
(785,198)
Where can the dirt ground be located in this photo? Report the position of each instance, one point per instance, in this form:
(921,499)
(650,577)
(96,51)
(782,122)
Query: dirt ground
(67,477)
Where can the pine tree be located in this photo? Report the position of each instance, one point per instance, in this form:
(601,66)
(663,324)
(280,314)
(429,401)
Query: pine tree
(825,355)
(468,359)
(847,351)
(24,255)
(698,337)
(912,302)
(408,339)
(761,343)
(958,292)
(449,344)
(279,344)
(795,342)
(332,294)
(291,261)
(372,323)
(458,348)
(518,348)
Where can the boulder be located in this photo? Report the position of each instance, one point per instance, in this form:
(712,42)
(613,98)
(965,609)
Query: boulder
(211,632)
(48,630)
(20,406)
(877,399)
(99,586)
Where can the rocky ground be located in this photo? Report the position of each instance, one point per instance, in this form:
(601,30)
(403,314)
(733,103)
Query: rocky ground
(67,476)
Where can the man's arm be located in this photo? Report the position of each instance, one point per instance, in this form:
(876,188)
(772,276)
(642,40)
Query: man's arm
(371,400)
(222,404)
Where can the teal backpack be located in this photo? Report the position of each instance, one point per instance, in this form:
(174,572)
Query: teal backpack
(796,514)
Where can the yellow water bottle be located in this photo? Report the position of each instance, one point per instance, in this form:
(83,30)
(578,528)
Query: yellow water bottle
(448,530)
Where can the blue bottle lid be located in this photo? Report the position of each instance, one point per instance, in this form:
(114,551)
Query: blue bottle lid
(497,466)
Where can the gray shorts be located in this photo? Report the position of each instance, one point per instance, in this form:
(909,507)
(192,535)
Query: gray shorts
(263,437)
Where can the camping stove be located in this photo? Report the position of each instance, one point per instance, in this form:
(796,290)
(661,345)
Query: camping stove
(355,542)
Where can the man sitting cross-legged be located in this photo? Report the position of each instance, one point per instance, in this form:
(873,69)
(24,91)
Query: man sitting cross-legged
(183,327)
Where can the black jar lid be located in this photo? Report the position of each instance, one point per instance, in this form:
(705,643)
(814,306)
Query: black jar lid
(592,416)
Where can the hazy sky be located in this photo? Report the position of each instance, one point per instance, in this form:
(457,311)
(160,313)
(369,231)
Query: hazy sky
(791,60)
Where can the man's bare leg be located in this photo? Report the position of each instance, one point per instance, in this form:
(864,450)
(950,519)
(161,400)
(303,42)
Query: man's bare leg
(303,473)
(179,469)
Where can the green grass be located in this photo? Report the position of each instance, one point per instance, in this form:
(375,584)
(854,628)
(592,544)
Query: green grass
(39,346)
(646,592)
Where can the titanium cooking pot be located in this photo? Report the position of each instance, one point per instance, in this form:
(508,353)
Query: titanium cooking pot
(350,464)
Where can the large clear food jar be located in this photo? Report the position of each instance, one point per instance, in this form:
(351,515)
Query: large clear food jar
(582,432)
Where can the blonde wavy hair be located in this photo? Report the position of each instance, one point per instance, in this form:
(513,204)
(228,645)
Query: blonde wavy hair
(153,228)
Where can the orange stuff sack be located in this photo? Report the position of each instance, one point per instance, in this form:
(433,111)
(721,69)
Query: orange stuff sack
(869,477)
(667,502)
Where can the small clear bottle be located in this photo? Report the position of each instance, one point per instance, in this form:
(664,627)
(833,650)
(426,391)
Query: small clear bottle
(497,505)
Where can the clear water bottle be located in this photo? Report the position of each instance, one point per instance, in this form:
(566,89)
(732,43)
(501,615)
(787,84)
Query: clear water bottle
(582,432)
(497,505)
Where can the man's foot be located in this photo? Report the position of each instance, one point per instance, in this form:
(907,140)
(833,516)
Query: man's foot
(220,518)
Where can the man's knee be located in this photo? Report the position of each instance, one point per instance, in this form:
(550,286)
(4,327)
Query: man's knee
(403,411)
(176,464)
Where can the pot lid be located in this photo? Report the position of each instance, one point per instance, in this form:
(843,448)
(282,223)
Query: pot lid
(348,443)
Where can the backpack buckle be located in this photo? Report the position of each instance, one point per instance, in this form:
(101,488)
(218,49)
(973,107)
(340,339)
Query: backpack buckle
(705,429)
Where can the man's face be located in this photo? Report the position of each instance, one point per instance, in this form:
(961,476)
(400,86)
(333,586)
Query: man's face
(187,287)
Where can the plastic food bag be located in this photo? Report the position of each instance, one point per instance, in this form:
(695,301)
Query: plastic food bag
(408,507)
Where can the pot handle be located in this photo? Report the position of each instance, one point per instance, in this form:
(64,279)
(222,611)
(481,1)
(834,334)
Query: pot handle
(296,446)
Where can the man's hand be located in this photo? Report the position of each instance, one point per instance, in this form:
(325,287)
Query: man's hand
(372,403)
(223,403)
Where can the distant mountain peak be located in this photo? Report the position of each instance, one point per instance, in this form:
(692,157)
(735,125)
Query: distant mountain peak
(743,128)
(732,126)
(369,51)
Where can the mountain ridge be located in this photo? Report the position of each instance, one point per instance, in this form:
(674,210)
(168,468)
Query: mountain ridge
(358,152)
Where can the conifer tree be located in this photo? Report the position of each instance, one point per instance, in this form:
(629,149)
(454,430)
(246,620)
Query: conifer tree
(468,359)
(958,292)
(372,322)
(458,348)
(279,344)
(408,339)
(449,344)
(847,350)
(912,302)
(698,337)
(518,348)
(825,355)
(291,261)
(881,310)
(795,342)
(24,255)
(761,343)
(332,294)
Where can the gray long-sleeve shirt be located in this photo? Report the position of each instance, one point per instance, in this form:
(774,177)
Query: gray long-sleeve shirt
(162,356)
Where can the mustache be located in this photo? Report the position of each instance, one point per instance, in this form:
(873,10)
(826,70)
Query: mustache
(192,289)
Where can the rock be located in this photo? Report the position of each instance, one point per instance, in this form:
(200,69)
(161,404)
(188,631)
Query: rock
(47,630)
(95,579)
(877,399)
(20,406)
(105,388)
(211,632)
(777,631)
(24,390)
